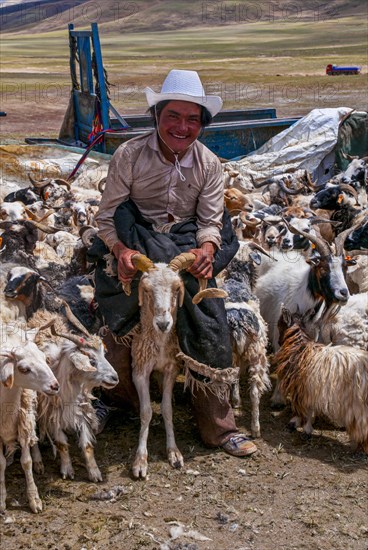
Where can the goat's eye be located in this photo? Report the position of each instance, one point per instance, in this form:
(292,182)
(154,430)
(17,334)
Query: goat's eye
(24,370)
(93,362)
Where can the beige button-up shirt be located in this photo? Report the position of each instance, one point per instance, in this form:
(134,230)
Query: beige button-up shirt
(139,171)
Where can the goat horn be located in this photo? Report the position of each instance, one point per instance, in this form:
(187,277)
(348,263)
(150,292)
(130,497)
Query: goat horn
(205,292)
(39,184)
(287,190)
(142,262)
(261,249)
(182,261)
(35,218)
(101,185)
(348,157)
(8,354)
(78,340)
(209,293)
(324,220)
(31,215)
(363,252)
(250,223)
(349,189)
(321,245)
(61,181)
(45,228)
(261,183)
(86,233)
(47,325)
(340,239)
(73,319)
(308,179)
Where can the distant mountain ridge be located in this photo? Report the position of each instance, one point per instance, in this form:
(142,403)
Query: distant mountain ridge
(27,16)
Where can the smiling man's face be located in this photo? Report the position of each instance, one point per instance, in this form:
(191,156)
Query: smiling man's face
(180,124)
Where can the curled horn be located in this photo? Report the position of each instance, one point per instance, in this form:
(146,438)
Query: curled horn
(185,260)
(261,183)
(287,190)
(61,181)
(349,189)
(311,185)
(340,239)
(142,263)
(39,184)
(208,293)
(250,223)
(182,261)
(321,245)
(101,185)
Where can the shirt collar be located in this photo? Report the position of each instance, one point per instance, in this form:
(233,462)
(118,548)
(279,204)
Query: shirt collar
(185,162)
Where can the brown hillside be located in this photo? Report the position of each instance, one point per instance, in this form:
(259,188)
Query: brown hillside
(159,15)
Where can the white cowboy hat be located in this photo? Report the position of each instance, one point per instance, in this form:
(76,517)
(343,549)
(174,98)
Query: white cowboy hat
(184,86)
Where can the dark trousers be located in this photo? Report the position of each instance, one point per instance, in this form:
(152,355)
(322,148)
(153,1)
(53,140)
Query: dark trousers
(214,417)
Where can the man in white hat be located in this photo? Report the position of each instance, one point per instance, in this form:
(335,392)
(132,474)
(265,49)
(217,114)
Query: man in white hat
(168,185)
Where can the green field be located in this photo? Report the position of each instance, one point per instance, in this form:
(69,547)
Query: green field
(280,64)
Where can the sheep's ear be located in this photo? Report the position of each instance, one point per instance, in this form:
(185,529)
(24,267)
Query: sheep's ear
(7,374)
(181,294)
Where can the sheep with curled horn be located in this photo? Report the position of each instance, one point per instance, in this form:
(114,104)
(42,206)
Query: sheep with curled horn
(155,345)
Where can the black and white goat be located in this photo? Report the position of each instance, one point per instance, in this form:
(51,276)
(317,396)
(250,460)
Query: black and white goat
(247,328)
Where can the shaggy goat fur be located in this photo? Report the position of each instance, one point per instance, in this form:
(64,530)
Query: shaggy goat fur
(248,332)
(325,380)
(78,369)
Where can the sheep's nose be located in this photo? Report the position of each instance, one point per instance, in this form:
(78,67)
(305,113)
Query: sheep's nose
(162,325)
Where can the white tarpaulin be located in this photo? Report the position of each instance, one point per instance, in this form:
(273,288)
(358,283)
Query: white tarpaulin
(306,145)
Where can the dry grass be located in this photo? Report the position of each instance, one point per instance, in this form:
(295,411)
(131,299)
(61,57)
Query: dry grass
(279,64)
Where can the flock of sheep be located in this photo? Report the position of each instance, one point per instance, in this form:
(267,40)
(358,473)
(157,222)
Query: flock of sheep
(296,292)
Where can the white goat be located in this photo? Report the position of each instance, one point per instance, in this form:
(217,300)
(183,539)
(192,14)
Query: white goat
(23,368)
(79,365)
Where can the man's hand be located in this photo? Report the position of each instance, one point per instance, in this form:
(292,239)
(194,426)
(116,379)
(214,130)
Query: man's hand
(202,266)
(126,269)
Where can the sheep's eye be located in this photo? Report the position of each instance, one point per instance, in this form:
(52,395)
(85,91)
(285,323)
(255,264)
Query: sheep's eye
(24,370)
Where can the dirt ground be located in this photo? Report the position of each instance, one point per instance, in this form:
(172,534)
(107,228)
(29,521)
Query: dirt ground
(294,493)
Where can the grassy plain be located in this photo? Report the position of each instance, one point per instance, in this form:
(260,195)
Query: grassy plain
(251,65)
